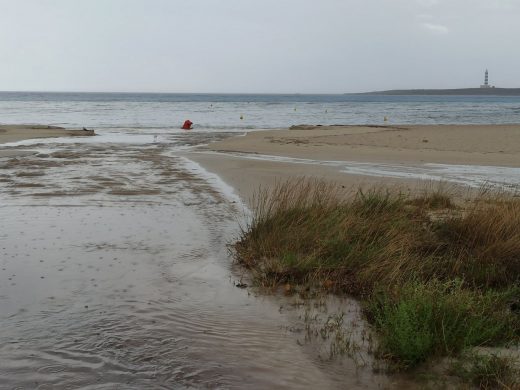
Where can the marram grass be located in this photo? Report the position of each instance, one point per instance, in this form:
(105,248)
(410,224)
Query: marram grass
(435,277)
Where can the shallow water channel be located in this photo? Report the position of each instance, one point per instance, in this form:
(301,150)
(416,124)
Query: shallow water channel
(115,273)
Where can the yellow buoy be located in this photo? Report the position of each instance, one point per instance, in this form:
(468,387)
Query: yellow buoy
(241,117)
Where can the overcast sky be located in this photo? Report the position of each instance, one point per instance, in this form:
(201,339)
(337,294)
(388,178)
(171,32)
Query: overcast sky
(286,46)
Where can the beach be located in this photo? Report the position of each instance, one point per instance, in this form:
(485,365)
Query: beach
(364,156)
(263,202)
(115,253)
(446,144)
(397,156)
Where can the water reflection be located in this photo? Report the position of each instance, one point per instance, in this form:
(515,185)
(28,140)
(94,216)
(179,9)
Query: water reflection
(114,273)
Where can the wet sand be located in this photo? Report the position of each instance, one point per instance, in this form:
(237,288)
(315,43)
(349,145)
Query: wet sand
(14,133)
(365,156)
(115,273)
(497,145)
(247,175)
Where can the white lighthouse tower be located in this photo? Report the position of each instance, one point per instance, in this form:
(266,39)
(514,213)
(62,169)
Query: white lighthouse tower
(486,81)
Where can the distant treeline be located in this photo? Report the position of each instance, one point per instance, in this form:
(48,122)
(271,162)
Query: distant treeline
(460,91)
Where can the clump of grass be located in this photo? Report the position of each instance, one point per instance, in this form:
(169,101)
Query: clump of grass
(434,198)
(440,318)
(438,278)
(302,231)
(484,243)
(306,231)
(487,371)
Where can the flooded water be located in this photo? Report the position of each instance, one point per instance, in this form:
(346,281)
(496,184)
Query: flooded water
(115,273)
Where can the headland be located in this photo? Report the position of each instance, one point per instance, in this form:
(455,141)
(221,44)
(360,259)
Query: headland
(449,92)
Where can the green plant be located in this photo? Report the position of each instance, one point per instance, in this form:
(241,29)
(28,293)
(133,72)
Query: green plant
(440,318)
(436,281)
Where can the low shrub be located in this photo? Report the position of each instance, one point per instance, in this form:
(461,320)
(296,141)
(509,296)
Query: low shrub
(440,318)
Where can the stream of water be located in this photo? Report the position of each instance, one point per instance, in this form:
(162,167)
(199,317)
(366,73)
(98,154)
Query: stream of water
(115,273)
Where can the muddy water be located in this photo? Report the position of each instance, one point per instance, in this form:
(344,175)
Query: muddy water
(115,274)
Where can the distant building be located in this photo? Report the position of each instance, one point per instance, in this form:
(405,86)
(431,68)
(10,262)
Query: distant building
(486,81)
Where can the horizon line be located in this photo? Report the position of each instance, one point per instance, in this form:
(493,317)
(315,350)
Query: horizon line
(243,93)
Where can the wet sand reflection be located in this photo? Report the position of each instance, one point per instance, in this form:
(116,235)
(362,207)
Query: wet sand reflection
(114,273)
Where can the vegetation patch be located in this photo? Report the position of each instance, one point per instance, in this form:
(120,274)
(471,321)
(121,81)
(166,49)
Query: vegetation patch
(487,371)
(435,278)
(441,318)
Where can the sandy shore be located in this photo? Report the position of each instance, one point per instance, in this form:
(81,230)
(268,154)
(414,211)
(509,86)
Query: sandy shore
(14,133)
(475,145)
(248,176)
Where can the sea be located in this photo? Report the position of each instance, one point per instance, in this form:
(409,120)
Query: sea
(141,112)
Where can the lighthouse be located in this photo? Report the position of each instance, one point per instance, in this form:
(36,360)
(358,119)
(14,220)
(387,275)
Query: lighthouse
(486,81)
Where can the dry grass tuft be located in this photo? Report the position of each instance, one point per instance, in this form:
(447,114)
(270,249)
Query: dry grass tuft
(308,230)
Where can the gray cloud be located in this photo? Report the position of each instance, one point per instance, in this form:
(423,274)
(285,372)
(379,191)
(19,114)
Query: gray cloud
(428,3)
(436,28)
(256,46)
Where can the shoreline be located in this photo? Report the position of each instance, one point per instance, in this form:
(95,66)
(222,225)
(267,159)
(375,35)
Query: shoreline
(246,176)
(410,158)
(15,133)
(265,157)
(492,145)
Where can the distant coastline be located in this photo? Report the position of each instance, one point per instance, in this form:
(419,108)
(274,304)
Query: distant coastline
(450,92)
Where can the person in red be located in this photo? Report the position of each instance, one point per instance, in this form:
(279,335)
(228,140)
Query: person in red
(187,125)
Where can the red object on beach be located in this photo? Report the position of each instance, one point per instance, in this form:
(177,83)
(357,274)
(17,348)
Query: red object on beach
(187,125)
